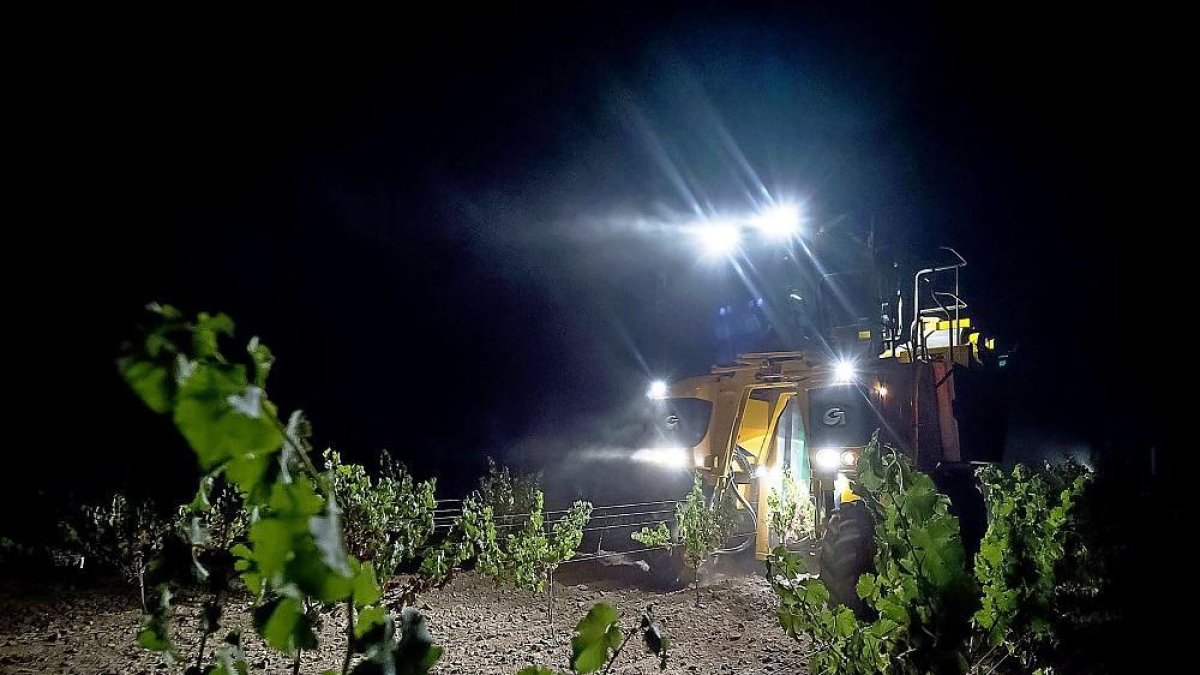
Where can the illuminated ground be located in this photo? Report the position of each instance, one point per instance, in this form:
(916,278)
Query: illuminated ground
(485,630)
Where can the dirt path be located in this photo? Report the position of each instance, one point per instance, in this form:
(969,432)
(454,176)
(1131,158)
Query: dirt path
(484,630)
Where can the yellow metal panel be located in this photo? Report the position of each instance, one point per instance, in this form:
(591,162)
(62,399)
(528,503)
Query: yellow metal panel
(755,420)
(754,444)
(964,322)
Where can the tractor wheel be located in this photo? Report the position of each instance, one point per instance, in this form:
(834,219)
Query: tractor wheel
(848,551)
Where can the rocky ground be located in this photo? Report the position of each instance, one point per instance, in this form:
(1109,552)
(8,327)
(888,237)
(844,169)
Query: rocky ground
(484,630)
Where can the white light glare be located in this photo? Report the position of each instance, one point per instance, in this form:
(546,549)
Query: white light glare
(657,390)
(781,221)
(827,458)
(673,457)
(772,474)
(843,371)
(719,239)
(840,484)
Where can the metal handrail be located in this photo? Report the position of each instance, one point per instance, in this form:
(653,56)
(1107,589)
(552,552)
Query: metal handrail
(914,331)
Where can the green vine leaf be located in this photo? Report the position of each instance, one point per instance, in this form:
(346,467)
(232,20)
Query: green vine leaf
(272,542)
(596,635)
(150,381)
(153,633)
(263,360)
(284,625)
(249,472)
(206,332)
(866,588)
(220,419)
(653,537)
(929,614)
(371,620)
(282,529)
(201,503)
(366,588)
(327,535)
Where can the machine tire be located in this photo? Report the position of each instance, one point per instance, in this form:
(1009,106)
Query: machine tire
(847,552)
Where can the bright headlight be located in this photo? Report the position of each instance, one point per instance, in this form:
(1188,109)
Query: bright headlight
(779,222)
(657,390)
(827,458)
(719,239)
(849,458)
(673,457)
(844,371)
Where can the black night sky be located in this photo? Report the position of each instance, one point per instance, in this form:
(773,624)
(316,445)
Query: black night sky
(444,224)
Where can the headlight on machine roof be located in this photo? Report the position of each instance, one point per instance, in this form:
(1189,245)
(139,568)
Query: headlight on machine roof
(658,389)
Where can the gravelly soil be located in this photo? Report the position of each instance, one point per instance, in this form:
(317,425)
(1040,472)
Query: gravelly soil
(483,629)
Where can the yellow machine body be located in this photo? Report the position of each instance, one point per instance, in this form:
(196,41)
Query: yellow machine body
(742,445)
